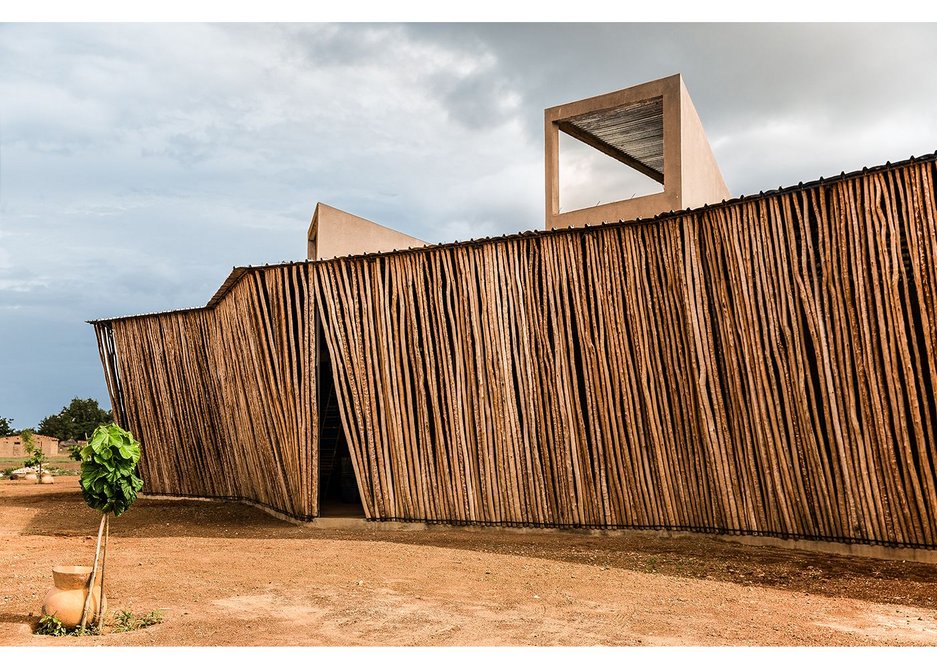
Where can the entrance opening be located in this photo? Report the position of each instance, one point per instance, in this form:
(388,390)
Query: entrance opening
(338,487)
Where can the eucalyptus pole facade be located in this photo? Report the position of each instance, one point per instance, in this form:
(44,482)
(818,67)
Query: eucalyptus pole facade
(766,366)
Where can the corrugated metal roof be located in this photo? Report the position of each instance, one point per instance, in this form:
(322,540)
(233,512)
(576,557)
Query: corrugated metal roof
(146,315)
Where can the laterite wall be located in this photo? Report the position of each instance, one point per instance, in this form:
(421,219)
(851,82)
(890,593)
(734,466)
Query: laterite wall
(765,366)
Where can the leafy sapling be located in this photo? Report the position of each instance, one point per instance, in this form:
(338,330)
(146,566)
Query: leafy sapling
(109,484)
(36,456)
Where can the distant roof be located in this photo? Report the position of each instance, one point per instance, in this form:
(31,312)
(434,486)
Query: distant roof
(632,134)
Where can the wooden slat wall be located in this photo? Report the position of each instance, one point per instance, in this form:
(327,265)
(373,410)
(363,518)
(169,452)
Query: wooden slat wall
(764,367)
(223,400)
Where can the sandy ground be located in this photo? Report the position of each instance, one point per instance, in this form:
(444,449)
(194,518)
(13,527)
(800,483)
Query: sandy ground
(228,574)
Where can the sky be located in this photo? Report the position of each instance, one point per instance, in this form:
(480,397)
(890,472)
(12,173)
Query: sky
(140,162)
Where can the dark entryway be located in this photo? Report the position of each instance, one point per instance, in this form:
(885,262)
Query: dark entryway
(338,487)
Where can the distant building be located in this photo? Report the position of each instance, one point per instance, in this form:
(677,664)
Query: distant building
(12,446)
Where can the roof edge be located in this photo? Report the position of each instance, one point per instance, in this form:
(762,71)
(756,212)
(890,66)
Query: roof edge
(238,272)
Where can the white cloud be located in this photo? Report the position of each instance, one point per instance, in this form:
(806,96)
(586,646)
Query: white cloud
(21,285)
(138,163)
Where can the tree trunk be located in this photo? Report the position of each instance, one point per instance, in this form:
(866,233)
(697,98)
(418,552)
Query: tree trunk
(94,572)
(107,531)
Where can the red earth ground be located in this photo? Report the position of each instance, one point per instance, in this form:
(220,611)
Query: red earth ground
(229,574)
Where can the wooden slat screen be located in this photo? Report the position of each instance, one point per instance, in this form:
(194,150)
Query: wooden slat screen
(223,400)
(766,366)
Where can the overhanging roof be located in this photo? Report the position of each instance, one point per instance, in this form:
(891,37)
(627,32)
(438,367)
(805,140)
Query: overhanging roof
(632,134)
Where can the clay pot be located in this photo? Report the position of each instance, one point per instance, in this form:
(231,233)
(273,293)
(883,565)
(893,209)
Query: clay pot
(30,476)
(66,599)
(47,479)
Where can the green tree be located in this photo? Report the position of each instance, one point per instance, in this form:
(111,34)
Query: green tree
(6,427)
(75,421)
(54,425)
(36,456)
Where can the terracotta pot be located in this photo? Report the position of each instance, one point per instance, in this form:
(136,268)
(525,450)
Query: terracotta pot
(66,599)
(47,479)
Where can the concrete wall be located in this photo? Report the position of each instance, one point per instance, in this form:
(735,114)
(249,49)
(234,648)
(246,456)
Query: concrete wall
(701,179)
(691,175)
(337,233)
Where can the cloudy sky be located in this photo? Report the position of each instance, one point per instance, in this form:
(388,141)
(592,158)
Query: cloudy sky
(139,163)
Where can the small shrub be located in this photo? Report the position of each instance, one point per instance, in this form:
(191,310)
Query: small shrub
(125,620)
(74,451)
(121,621)
(49,625)
(36,456)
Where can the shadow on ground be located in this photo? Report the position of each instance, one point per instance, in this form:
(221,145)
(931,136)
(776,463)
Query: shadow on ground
(63,513)
(12,618)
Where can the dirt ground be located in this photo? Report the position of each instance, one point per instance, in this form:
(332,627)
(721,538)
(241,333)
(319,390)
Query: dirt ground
(229,574)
